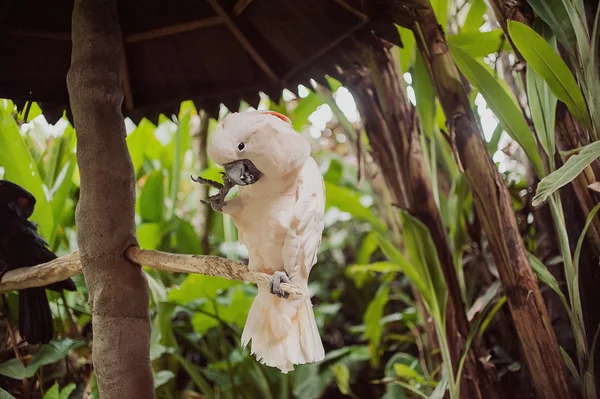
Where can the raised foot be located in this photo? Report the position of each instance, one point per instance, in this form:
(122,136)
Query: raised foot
(217,201)
(276,279)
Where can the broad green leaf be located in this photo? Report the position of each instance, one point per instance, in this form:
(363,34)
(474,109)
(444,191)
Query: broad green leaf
(542,103)
(19,168)
(425,96)
(342,377)
(422,253)
(5,395)
(66,392)
(592,71)
(474,18)
(306,106)
(52,393)
(501,103)
(554,13)
(63,186)
(566,173)
(407,52)
(149,235)
(440,7)
(143,144)
(349,201)
(196,286)
(46,354)
(187,240)
(162,377)
(374,313)
(479,44)
(152,198)
(549,65)
(411,271)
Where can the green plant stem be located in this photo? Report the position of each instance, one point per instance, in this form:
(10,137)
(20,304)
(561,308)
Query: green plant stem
(175,173)
(447,359)
(572,278)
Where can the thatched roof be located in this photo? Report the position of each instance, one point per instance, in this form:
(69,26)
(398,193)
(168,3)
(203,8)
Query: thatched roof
(209,51)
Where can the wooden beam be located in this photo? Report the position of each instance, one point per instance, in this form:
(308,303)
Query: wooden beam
(243,41)
(240,6)
(132,38)
(174,29)
(361,15)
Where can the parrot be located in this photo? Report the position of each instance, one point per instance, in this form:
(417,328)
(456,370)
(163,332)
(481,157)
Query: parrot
(279,214)
(22,246)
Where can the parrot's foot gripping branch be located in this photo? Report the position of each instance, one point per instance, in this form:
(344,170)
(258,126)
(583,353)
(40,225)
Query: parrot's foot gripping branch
(217,201)
(276,280)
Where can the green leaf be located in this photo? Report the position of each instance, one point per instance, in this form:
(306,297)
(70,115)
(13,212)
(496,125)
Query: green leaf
(372,317)
(306,106)
(342,377)
(542,103)
(572,369)
(554,13)
(46,354)
(162,377)
(152,198)
(425,96)
(52,393)
(149,235)
(196,376)
(143,144)
(474,18)
(411,271)
(543,274)
(407,52)
(19,168)
(479,44)
(501,103)
(566,173)
(581,239)
(549,65)
(63,186)
(5,395)
(349,201)
(423,254)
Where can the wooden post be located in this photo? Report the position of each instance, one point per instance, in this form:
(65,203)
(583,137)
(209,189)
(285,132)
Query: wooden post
(494,208)
(118,291)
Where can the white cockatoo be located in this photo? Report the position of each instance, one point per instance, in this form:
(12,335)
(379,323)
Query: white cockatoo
(279,216)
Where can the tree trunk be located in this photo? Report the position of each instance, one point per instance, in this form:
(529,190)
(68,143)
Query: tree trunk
(494,208)
(199,146)
(118,292)
(393,134)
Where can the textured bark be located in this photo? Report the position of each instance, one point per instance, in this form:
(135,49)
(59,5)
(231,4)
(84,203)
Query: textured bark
(494,208)
(394,137)
(118,292)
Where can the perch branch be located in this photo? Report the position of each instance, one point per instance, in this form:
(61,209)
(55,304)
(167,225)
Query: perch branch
(70,265)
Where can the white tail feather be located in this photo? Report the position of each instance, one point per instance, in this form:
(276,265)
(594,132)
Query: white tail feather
(283,331)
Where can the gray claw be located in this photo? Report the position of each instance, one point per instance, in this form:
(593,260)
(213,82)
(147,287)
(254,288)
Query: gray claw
(276,279)
(208,182)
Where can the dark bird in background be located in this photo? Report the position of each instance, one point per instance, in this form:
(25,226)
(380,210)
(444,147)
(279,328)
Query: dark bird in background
(22,246)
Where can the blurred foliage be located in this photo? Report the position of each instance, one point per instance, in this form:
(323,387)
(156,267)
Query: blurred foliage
(376,298)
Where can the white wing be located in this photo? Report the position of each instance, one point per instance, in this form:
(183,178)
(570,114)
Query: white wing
(304,236)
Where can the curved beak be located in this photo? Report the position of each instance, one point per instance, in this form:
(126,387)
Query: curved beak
(242,172)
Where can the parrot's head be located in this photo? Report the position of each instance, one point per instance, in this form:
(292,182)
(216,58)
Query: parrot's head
(251,144)
(15,199)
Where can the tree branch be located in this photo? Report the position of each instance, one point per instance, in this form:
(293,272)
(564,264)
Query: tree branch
(70,265)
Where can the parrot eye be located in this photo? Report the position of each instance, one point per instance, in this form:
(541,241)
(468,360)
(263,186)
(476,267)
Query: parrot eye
(241,146)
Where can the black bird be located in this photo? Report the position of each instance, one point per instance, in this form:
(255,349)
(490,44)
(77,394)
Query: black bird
(22,246)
